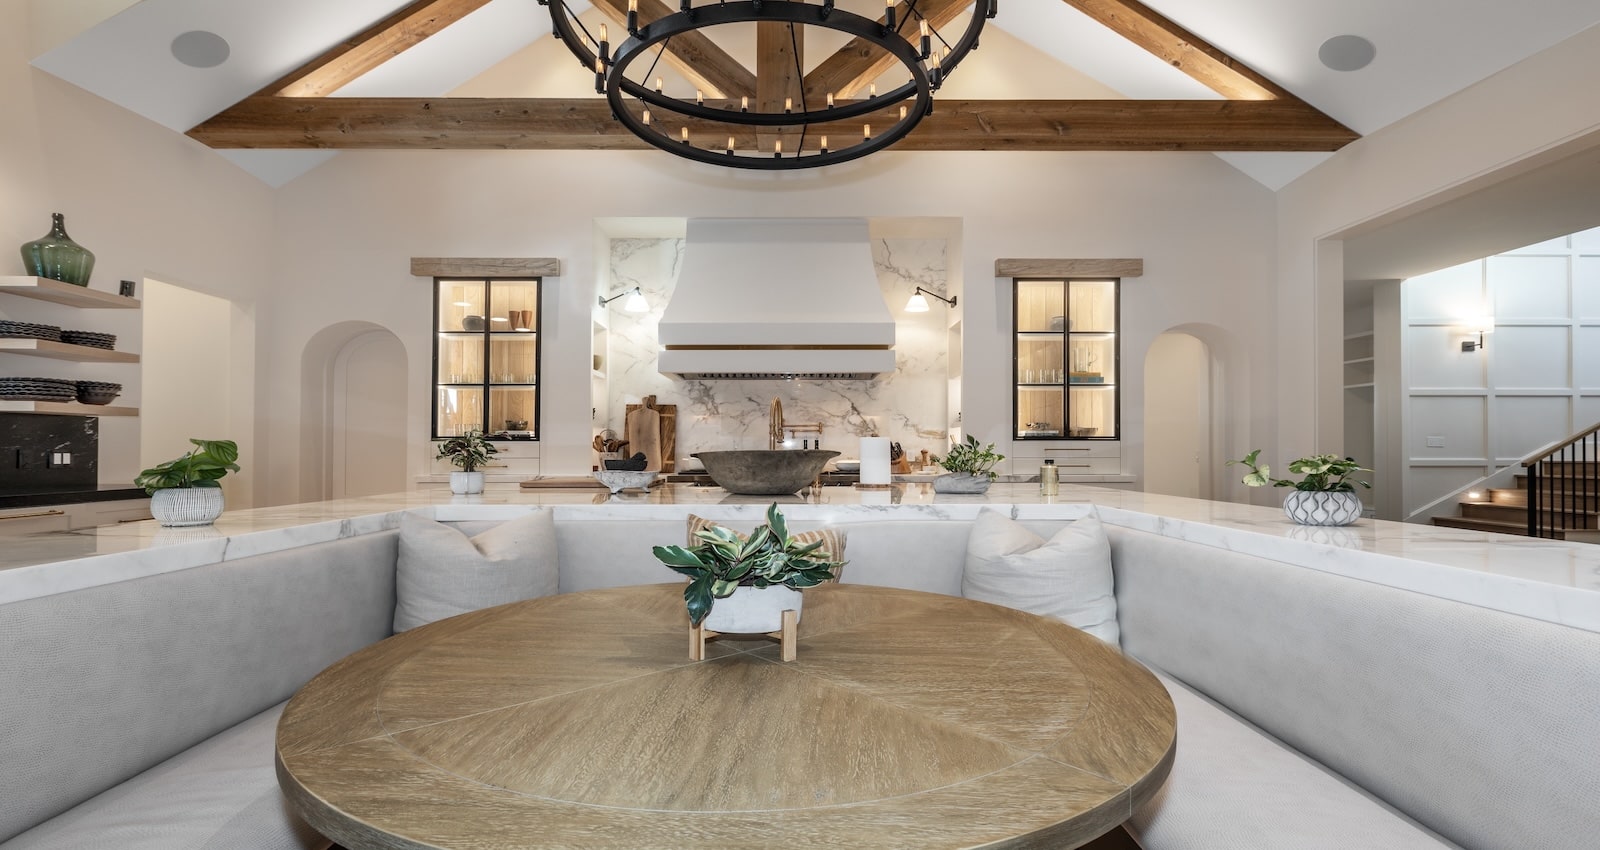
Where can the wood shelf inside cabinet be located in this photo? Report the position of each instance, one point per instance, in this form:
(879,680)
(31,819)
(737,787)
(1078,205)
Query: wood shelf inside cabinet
(69,408)
(45,289)
(65,351)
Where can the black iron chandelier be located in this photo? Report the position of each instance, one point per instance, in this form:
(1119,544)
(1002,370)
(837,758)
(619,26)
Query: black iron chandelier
(801,132)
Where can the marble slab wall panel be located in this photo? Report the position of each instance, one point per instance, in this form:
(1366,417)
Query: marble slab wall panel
(908,406)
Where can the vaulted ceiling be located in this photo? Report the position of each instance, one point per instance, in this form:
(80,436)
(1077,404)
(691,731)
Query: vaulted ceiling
(1221,75)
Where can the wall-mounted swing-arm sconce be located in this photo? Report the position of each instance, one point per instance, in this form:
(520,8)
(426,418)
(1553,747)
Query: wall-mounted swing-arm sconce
(634,304)
(1480,326)
(918,304)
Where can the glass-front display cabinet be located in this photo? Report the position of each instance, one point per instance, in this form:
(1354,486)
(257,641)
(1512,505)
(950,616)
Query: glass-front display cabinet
(1065,360)
(486,358)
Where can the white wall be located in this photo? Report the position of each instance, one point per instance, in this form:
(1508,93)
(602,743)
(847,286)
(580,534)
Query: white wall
(1539,110)
(1536,380)
(186,372)
(146,201)
(1178,417)
(348,229)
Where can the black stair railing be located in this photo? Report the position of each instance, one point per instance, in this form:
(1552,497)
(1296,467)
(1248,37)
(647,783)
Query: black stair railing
(1563,486)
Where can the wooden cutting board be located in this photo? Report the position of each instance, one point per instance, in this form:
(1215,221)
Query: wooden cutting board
(653,429)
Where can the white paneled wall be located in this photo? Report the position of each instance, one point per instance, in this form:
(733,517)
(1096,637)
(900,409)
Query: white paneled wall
(1537,380)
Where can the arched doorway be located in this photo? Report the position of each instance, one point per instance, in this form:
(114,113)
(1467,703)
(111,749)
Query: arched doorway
(353,398)
(1178,454)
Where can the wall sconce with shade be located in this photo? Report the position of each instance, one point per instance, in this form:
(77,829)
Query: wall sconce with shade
(634,304)
(1480,326)
(919,304)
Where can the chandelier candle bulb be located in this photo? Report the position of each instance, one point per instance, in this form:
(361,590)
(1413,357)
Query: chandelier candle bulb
(683,135)
(699,97)
(777,148)
(605,44)
(730,145)
(888,14)
(744,104)
(830,100)
(824,144)
(645,117)
(788,104)
(866,132)
(872,90)
(927,41)
(599,75)
(902,113)
(658,85)
(633,16)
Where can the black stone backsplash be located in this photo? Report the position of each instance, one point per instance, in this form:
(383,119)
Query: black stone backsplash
(48,454)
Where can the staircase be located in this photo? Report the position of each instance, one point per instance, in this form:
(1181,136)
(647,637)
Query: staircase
(1557,497)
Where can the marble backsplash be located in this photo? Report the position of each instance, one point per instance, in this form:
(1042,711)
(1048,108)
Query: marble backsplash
(908,406)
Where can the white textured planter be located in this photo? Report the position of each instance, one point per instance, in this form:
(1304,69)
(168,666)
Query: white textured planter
(1318,507)
(466,483)
(753,610)
(177,507)
(961,482)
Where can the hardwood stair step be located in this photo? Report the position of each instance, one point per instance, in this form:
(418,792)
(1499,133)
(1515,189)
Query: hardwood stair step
(1519,529)
(1514,513)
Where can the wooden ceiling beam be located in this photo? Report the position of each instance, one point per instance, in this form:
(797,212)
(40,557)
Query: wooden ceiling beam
(1181,49)
(587,124)
(692,54)
(847,72)
(372,47)
(780,52)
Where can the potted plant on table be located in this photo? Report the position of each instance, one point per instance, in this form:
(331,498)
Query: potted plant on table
(468,451)
(185,491)
(970,467)
(756,579)
(1325,496)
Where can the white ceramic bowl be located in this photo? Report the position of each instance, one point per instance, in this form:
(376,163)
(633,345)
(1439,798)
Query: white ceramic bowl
(617,480)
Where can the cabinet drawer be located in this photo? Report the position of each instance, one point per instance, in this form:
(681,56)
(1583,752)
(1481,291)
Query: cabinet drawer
(1064,451)
(1088,466)
(33,520)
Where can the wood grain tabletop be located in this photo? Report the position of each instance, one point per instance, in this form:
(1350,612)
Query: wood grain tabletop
(910,720)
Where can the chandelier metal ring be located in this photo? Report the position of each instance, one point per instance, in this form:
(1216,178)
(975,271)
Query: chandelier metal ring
(915,97)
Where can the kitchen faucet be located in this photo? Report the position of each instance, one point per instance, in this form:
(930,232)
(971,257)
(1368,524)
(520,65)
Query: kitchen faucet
(780,433)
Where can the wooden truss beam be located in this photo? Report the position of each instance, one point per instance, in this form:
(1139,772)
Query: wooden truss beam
(587,124)
(847,72)
(1181,49)
(693,54)
(372,47)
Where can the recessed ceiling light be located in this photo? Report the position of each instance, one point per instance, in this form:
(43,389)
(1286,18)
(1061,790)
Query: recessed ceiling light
(1347,53)
(200,49)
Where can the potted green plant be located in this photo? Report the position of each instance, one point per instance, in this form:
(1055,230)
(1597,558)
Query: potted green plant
(970,467)
(468,451)
(185,491)
(756,578)
(1325,496)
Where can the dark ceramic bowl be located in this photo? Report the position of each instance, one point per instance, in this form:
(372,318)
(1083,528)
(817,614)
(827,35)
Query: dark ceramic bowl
(765,473)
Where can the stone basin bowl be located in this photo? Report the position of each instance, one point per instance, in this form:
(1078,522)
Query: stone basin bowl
(765,473)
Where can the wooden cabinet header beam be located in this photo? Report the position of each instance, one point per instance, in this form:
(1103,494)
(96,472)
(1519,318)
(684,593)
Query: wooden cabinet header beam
(1013,267)
(476,267)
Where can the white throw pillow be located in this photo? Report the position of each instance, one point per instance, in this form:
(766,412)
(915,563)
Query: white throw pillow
(442,572)
(1067,577)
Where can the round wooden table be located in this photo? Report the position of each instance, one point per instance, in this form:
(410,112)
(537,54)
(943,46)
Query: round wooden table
(909,720)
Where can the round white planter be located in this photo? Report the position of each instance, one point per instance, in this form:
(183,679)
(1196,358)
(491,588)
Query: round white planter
(177,507)
(466,483)
(753,610)
(1318,507)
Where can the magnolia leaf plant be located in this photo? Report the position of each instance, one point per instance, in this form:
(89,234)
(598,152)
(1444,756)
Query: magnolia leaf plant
(468,451)
(1324,473)
(721,562)
(971,458)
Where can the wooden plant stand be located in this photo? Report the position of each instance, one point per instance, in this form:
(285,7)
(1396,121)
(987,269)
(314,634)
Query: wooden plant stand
(787,636)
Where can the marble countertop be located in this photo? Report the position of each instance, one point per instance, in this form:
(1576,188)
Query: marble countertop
(1544,579)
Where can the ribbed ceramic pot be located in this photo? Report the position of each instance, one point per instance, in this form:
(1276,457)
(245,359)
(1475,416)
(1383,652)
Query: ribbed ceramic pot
(753,610)
(176,507)
(57,257)
(961,482)
(1321,507)
(466,483)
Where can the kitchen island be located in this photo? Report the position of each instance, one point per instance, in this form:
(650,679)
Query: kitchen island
(1543,579)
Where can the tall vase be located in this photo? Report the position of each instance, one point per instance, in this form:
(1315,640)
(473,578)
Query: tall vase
(56,256)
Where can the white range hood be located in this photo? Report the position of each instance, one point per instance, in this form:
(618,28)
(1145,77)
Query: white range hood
(777,298)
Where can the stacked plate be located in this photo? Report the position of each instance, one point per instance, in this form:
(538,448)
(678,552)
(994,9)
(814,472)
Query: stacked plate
(28,330)
(92,339)
(37,389)
(97,392)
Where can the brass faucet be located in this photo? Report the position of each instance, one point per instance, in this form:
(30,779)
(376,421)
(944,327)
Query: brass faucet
(774,425)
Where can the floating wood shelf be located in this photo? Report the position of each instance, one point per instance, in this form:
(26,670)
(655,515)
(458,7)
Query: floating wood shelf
(65,351)
(45,289)
(68,408)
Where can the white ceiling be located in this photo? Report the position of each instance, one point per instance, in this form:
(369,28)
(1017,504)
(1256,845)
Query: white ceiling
(1426,51)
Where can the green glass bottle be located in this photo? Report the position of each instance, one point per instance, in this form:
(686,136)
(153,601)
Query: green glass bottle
(56,256)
